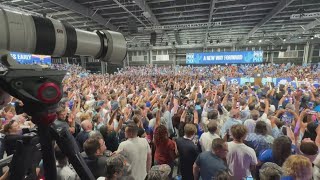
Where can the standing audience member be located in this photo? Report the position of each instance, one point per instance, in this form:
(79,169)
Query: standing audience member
(234,118)
(86,126)
(280,151)
(260,140)
(165,148)
(137,151)
(188,151)
(270,171)
(93,154)
(297,167)
(159,172)
(209,163)
(207,137)
(64,171)
(241,159)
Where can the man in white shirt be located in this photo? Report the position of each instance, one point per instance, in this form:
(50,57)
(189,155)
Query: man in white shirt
(137,151)
(251,123)
(240,158)
(234,118)
(207,137)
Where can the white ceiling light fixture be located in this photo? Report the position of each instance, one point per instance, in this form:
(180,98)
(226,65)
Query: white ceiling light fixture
(14,1)
(260,40)
(146,14)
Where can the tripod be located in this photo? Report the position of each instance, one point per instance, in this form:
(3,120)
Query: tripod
(40,90)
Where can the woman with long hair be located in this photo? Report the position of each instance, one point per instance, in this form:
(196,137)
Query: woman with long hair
(165,148)
(281,149)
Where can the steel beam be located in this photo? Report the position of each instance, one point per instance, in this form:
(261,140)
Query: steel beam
(177,37)
(280,6)
(301,30)
(212,8)
(144,6)
(128,11)
(59,13)
(87,12)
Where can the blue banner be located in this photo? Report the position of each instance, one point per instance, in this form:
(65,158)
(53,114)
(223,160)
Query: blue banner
(237,57)
(24,58)
(243,81)
(283,81)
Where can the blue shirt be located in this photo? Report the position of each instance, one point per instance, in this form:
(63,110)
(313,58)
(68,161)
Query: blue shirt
(228,124)
(259,142)
(210,165)
(267,156)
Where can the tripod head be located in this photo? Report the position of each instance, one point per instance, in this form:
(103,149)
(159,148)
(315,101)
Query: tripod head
(38,88)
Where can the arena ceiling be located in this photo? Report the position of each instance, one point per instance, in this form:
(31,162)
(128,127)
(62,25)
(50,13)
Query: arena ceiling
(181,22)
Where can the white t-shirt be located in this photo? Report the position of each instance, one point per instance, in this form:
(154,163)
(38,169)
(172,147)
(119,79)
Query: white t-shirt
(239,159)
(66,173)
(136,151)
(251,125)
(206,141)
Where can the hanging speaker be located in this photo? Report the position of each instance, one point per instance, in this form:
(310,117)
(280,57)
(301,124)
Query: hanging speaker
(153,38)
(132,25)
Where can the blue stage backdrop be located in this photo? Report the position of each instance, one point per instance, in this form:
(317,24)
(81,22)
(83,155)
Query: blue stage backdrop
(237,57)
(24,58)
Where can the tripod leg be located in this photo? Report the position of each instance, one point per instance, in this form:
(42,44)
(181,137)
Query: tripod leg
(49,161)
(70,148)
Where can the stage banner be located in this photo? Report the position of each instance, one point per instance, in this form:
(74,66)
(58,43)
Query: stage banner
(25,58)
(236,57)
(243,81)
(283,81)
(266,80)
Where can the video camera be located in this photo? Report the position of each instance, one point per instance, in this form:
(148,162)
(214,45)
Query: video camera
(40,89)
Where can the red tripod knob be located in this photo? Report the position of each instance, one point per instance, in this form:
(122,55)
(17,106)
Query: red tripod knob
(49,92)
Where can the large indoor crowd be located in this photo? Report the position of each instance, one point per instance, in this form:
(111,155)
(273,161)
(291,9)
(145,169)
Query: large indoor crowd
(161,123)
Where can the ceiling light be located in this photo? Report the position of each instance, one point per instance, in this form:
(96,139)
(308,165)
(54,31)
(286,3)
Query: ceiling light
(284,40)
(250,41)
(260,41)
(13,1)
(299,37)
(311,37)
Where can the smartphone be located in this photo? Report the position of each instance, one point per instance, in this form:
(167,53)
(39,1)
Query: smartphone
(249,178)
